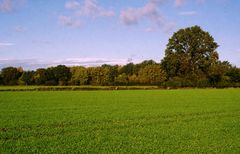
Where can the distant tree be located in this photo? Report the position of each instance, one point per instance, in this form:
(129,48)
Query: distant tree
(10,75)
(79,75)
(127,69)
(143,64)
(1,80)
(61,74)
(20,70)
(152,74)
(27,78)
(93,76)
(107,78)
(133,79)
(100,76)
(51,80)
(217,72)
(113,72)
(234,74)
(121,79)
(40,76)
(190,53)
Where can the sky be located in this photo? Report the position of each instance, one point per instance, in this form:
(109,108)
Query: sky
(43,33)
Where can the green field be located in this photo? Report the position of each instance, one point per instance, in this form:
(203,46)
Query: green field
(136,121)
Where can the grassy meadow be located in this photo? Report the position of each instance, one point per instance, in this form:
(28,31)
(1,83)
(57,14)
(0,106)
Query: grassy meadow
(129,121)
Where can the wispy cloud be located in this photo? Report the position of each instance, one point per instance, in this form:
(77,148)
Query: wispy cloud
(150,12)
(2,44)
(91,8)
(87,9)
(71,5)
(188,13)
(89,61)
(179,2)
(69,21)
(132,16)
(33,64)
(29,64)
(10,5)
(6,5)
(150,29)
(20,29)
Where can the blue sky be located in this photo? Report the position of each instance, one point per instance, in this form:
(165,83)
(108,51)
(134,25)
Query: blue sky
(41,33)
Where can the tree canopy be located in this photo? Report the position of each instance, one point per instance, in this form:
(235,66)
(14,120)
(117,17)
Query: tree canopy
(190,53)
(191,60)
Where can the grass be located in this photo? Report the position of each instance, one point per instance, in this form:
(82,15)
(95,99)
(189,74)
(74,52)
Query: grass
(75,88)
(153,121)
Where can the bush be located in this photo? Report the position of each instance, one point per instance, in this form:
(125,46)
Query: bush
(51,83)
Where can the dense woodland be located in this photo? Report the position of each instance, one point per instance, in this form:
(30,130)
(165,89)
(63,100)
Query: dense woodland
(191,60)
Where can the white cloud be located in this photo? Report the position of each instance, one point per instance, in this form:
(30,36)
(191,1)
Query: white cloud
(72,5)
(10,5)
(20,29)
(150,29)
(150,12)
(2,44)
(28,64)
(92,9)
(89,61)
(132,16)
(6,5)
(69,21)
(179,2)
(33,64)
(188,13)
(89,9)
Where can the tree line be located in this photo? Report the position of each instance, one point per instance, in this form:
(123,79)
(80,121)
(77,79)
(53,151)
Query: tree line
(191,60)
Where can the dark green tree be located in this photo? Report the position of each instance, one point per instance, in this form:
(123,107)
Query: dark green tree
(40,76)
(189,54)
(27,77)
(61,74)
(1,80)
(234,74)
(217,72)
(113,72)
(127,69)
(143,64)
(11,75)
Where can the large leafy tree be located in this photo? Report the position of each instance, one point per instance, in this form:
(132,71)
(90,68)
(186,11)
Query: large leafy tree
(189,54)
